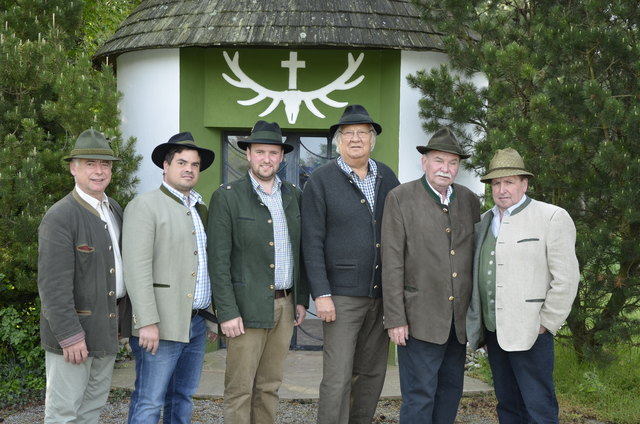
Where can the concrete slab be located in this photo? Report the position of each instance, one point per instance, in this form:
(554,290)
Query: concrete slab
(302,375)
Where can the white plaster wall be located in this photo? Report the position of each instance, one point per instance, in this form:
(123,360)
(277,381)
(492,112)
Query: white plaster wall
(150,83)
(411,132)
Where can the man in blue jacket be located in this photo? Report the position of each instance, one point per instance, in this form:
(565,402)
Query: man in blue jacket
(258,286)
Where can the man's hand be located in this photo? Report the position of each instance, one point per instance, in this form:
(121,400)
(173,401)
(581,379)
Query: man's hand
(233,328)
(149,338)
(301,313)
(77,353)
(326,309)
(542,330)
(399,335)
(212,336)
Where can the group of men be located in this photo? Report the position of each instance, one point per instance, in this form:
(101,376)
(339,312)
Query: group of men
(413,263)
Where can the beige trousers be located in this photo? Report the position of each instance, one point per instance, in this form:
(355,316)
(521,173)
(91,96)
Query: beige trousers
(255,364)
(76,393)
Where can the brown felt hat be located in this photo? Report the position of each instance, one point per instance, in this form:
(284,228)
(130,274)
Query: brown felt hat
(505,163)
(444,141)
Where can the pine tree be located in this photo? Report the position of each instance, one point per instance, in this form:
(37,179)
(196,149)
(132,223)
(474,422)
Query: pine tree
(49,94)
(563,89)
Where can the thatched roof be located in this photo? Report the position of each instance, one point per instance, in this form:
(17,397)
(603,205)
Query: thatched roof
(380,24)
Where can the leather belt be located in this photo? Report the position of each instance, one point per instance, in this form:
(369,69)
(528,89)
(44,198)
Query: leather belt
(195,312)
(282,293)
(205,314)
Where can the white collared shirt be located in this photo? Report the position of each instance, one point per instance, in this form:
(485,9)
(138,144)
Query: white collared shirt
(497,221)
(104,210)
(449,192)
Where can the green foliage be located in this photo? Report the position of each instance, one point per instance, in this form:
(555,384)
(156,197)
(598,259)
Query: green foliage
(21,358)
(101,18)
(563,90)
(49,94)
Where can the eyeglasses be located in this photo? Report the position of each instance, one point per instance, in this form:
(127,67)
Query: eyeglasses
(351,134)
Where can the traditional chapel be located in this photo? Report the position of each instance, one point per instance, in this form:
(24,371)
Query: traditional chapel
(215,67)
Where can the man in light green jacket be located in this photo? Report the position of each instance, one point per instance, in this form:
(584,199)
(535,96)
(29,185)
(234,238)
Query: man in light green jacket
(165,270)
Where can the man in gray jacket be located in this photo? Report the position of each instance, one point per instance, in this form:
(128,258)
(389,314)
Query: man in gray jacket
(342,207)
(81,287)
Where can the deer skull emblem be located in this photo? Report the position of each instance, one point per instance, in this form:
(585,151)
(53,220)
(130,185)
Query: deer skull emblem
(293,98)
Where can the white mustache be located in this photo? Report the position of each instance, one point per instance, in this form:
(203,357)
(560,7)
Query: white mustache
(443,174)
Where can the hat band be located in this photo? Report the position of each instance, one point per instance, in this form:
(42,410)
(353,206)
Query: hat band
(106,152)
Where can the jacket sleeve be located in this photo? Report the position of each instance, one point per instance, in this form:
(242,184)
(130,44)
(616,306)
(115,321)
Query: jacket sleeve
(56,265)
(314,229)
(393,247)
(564,271)
(302,288)
(138,235)
(219,248)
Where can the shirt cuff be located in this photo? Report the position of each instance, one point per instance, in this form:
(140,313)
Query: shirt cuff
(69,341)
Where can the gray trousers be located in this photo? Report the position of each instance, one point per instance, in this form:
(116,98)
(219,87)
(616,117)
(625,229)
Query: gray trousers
(356,348)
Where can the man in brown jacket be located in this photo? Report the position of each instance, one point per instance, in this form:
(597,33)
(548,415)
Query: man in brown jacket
(427,253)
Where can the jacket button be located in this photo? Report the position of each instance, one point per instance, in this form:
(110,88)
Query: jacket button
(188,213)
(445,210)
(195,252)
(454,275)
(112,315)
(112,270)
(450,297)
(193,274)
(272,266)
(378,245)
(448,230)
(362,200)
(189,294)
(272,287)
(105,227)
(375,287)
(271,243)
(112,293)
(110,248)
(269,221)
(193,232)
(453,252)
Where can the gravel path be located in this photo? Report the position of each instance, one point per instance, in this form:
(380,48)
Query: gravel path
(210,412)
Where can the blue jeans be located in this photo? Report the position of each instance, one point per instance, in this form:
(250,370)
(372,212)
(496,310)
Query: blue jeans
(170,378)
(524,382)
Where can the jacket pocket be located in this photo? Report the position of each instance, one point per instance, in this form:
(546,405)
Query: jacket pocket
(345,274)
(160,285)
(534,300)
(528,240)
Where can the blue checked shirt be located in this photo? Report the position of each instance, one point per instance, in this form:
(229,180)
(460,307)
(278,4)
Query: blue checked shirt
(202,295)
(282,242)
(368,186)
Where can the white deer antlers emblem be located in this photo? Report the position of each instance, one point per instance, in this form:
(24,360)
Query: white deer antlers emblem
(292,99)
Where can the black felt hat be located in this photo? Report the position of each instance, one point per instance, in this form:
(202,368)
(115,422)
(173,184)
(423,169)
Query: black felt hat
(184,139)
(355,114)
(265,133)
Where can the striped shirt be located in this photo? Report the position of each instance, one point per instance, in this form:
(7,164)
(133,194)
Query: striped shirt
(202,295)
(282,243)
(366,186)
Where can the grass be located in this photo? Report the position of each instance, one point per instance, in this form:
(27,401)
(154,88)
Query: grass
(607,392)
(587,391)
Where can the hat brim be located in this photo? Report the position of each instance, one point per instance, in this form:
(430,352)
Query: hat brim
(206,156)
(425,149)
(97,157)
(334,128)
(504,172)
(244,144)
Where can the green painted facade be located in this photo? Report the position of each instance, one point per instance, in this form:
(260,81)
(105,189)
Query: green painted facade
(209,104)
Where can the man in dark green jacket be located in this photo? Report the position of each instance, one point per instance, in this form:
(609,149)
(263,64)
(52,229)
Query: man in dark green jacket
(254,264)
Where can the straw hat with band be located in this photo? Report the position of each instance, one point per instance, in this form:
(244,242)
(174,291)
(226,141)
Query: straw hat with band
(92,144)
(184,139)
(444,140)
(505,163)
